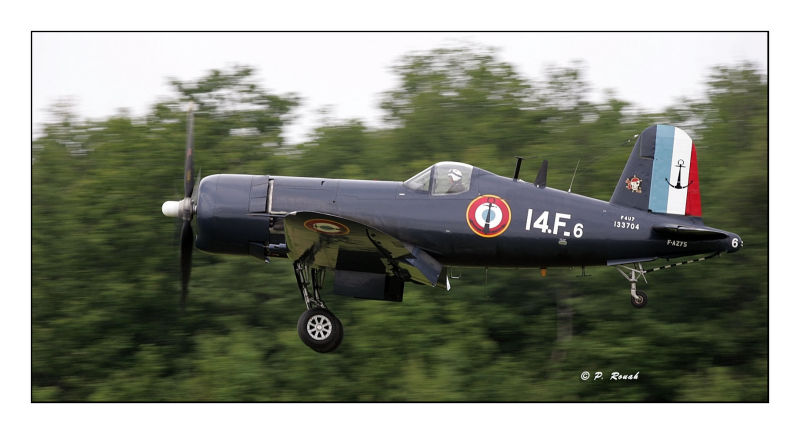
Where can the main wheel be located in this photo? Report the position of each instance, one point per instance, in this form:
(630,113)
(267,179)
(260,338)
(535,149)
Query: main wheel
(320,330)
(641,302)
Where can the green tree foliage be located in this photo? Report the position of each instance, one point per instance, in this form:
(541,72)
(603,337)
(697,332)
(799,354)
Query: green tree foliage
(106,323)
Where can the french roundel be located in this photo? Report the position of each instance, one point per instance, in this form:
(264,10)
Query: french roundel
(327,227)
(488,215)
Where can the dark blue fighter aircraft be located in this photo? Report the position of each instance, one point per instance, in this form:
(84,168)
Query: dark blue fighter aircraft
(377,235)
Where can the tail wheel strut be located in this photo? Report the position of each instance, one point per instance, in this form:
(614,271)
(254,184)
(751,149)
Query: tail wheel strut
(632,275)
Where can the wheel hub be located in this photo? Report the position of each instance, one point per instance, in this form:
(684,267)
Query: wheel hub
(319,327)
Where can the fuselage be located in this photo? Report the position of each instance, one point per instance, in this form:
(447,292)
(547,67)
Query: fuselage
(541,227)
(378,235)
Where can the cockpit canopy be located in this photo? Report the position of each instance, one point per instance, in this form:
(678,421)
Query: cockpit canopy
(448,177)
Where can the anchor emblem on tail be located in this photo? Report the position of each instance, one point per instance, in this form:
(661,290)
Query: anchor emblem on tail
(678,185)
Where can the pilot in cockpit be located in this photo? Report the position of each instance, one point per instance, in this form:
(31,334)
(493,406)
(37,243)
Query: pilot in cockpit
(456,181)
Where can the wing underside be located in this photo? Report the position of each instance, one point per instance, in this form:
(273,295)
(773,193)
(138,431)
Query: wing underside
(322,240)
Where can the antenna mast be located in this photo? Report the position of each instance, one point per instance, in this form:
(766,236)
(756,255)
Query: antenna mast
(573,176)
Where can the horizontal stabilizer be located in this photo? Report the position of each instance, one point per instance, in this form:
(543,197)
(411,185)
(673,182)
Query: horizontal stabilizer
(689,232)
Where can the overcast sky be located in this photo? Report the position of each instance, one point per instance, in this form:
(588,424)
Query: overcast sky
(346,72)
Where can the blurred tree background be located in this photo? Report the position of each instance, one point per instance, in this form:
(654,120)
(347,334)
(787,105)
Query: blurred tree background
(106,322)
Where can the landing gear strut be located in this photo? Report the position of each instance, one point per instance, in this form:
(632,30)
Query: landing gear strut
(632,275)
(318,327)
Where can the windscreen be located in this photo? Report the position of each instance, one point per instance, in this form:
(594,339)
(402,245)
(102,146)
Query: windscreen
(421,181)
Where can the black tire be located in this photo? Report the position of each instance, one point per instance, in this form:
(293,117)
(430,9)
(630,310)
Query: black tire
(642,303)
(339,336)
(320,330)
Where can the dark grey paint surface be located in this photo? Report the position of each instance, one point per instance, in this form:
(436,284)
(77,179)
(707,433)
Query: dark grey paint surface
(227,222)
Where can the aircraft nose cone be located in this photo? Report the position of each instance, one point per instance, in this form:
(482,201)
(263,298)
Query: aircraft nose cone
(170,208)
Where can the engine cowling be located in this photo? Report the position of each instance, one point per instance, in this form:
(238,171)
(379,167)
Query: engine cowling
(232,215)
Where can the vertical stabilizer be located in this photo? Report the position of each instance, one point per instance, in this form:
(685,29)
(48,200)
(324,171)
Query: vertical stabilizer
(661,174)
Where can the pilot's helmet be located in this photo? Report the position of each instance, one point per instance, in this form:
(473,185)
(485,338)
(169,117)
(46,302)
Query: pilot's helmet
(454,174)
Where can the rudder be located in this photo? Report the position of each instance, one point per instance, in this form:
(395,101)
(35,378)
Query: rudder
(661,174)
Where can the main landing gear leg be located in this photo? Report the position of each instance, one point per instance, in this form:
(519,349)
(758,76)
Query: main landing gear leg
(632,275)
(318,327)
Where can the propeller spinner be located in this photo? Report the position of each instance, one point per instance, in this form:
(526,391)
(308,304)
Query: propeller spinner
(185,209)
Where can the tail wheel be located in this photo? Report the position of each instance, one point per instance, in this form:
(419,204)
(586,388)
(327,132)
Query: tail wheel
(320,330)
(640,300)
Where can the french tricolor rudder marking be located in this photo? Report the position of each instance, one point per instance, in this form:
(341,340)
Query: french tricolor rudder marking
(693,197)
(675,187)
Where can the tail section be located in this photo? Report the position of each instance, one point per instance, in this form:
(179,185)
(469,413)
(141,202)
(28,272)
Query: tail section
(661,174)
